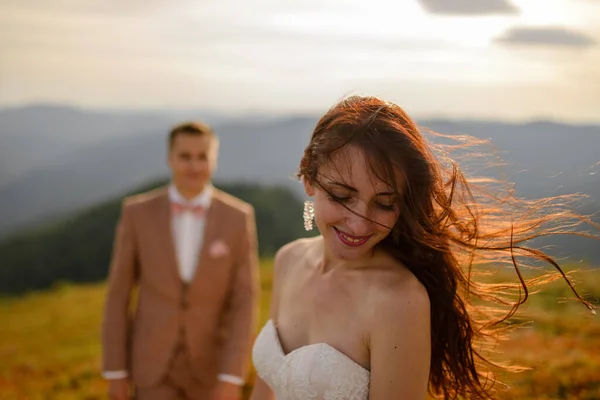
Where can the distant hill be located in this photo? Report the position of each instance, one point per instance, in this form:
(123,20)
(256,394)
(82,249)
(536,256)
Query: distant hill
(67,169)
(55,160)
(71,159)
(40,135)
(78,249)
(542,158)
(37,136)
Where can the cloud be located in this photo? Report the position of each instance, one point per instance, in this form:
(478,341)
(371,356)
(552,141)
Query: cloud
(549,36)
(114,7)
(469,7)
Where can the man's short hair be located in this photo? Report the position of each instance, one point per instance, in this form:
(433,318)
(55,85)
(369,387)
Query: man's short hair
(191,128)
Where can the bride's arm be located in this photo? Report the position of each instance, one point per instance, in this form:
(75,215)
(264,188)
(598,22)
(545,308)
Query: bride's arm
(400,343)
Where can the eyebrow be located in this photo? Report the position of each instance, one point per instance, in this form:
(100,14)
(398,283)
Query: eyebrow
(354,190)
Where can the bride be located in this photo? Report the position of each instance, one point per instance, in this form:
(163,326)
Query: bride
(377,307)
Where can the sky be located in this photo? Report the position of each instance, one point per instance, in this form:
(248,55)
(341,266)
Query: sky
(500,59)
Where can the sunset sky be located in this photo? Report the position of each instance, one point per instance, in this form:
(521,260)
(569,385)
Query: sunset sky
(502,59)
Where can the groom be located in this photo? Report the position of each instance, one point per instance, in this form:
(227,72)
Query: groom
(191,250)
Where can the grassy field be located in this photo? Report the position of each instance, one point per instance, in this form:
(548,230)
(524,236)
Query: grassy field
(50,344)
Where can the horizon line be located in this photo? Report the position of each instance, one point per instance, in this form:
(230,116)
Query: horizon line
(282,114)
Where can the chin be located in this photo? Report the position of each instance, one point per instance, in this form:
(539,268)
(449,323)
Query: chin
(350,254)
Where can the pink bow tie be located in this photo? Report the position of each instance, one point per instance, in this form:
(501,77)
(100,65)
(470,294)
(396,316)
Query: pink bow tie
(178,208)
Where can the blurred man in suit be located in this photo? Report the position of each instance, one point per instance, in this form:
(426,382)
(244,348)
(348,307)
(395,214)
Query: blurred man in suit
(192,251)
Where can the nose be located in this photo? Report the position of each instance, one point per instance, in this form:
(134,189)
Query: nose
(359,224)
(196,165)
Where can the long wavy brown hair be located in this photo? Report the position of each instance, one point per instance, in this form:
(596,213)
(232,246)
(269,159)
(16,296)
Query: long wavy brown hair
(448,225)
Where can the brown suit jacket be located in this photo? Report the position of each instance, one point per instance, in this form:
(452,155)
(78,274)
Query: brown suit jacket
(218,310)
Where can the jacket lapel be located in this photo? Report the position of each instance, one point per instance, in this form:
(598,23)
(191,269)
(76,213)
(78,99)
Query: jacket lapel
(211,231)
(164,230)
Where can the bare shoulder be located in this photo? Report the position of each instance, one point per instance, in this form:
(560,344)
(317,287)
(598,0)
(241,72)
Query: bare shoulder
(287,263)
(293,256)
(298,246)
(398,297)
(294,252)
(399,336)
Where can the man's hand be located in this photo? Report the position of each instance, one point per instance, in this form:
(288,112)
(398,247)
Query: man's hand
(226,391)
(118,389)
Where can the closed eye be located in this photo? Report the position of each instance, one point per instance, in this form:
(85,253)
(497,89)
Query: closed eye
(387,207)
(338,199)
(344,199)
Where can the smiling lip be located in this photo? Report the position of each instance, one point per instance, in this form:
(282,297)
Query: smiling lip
(351,240)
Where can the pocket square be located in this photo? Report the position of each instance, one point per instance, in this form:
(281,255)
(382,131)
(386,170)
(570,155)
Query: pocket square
(218,248)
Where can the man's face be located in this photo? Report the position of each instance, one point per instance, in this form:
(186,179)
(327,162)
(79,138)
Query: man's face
(193,160)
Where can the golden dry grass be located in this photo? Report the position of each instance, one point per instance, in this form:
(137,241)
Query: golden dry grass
(50,344)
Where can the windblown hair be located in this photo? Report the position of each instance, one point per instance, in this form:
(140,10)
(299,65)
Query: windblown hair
(448,225)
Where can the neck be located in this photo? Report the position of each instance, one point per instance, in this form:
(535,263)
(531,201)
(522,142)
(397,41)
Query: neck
(189,194)
(330,261)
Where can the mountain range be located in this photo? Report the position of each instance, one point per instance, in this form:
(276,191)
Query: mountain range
(55,160)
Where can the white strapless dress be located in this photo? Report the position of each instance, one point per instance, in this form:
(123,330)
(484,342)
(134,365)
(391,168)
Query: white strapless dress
(316,371)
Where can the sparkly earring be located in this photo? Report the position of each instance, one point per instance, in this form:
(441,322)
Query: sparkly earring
(309,214)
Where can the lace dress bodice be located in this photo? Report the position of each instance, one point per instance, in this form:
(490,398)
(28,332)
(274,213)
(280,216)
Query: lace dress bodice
(317,371)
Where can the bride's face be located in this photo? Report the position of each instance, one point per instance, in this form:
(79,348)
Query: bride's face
(354,210)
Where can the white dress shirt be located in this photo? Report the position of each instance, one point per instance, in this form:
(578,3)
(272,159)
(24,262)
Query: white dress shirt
(188,236)
(188,230)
